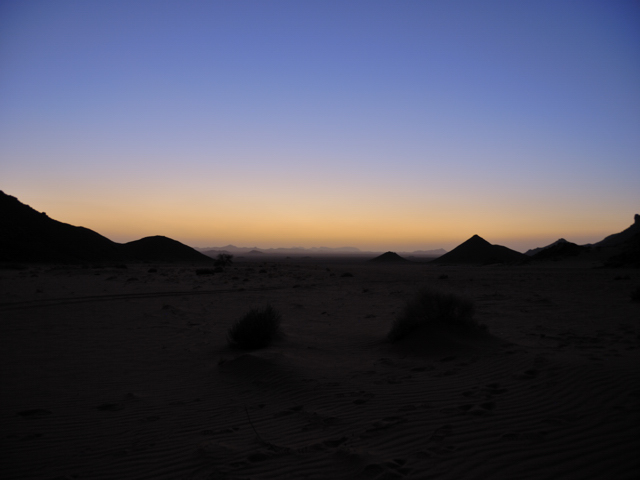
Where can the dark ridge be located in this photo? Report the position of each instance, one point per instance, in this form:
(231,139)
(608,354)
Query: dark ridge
(559,251)
(389,257)
(628,253)
(478,251)
(533,251)
(622,237)
(161,249)
(32,237)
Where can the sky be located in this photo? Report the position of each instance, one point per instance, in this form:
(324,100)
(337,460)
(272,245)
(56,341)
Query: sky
(383,125)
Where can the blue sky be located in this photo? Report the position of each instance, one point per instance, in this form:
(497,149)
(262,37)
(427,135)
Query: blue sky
(382,125)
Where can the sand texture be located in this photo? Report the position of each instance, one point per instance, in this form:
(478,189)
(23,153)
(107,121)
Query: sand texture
(125,373)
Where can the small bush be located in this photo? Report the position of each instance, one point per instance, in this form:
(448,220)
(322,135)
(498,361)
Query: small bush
(437,310)
(223,260)
(257,329)
(206,271)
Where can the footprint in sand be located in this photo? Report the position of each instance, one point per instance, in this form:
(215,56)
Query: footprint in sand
(561,420)
(411,407)
(482,409)
(335,442)
(388,470)
(319,422)
(423,369)
(529,436)
(373,470)
(35,413)
(488,391)
(259,456)
(494,389)
(152,418)
(441,433)
(381,425)
(361,397)
(289,411)
(393,380)
(110,407)
(443,450)
(528,374)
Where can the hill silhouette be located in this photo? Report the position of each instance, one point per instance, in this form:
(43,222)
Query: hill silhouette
(622,237)
(160,249)
(616,250)
(559,250)
(626,254)
(31,236)
(533,251)
(478,251)
(623,249)
(389,257)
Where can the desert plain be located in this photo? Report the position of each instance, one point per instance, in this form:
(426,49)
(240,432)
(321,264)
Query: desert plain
(113,372)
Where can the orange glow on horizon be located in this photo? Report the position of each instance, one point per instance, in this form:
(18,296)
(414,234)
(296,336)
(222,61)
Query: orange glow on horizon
(376,232)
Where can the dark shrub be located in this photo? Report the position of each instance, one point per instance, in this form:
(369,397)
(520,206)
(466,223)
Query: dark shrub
(223,260)
(435,310)
(635,295)
(257,329)
(206,271)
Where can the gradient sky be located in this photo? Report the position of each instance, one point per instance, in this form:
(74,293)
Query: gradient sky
(384,125)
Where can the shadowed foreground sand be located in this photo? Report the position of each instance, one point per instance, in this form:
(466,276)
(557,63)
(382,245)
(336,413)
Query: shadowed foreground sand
(125,373)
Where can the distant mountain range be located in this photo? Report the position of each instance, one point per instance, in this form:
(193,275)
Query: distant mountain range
(27,235)
(281,251)
(615,250)
(297,251)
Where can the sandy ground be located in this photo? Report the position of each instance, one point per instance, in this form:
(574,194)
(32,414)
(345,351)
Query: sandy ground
(124,373)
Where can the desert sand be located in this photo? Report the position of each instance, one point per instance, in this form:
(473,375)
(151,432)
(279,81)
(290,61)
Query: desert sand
(126,373)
